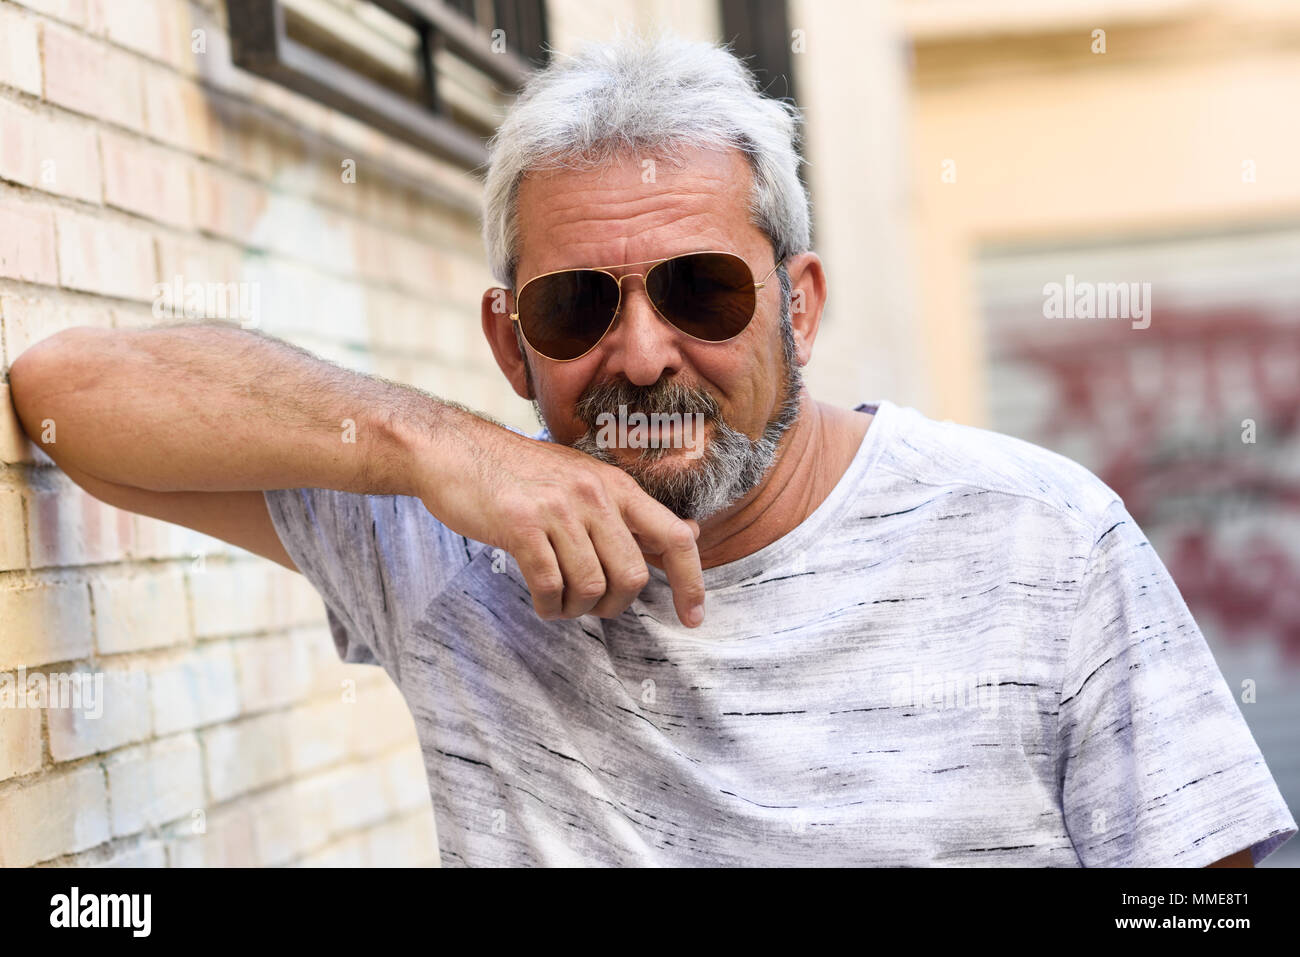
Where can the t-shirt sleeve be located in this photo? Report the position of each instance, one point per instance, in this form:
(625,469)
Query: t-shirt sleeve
(377,561)
(1156,763)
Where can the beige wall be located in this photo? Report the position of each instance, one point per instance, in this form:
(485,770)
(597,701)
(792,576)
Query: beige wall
(1051,141)
(851,82)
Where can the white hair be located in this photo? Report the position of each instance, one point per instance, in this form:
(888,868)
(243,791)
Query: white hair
(645,94)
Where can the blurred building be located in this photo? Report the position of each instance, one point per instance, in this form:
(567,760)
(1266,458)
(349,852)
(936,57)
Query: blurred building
(1145,148)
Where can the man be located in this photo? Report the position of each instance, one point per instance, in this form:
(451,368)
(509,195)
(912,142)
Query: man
(806,636)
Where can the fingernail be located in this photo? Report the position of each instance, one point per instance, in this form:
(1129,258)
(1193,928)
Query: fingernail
(696,615)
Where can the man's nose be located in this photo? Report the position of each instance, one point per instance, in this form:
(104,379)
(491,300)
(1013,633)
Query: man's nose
(642,345)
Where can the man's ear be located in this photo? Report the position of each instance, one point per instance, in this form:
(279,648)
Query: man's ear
(499,329)
(807,301)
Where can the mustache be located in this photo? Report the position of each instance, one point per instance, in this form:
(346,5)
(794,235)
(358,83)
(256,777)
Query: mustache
(665,397)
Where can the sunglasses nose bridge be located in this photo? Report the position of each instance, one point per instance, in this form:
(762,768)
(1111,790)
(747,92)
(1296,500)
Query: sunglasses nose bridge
(645,288)
(644,346)
(622,296)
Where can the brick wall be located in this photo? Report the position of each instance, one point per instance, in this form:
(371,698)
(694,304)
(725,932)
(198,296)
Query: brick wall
(230,732)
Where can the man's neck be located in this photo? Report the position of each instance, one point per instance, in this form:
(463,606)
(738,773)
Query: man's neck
(812,457)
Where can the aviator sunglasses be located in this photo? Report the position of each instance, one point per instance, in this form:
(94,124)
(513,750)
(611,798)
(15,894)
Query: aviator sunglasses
(710,296)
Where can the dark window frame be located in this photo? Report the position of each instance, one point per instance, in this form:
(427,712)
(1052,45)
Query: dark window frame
(759,31)
(260,44)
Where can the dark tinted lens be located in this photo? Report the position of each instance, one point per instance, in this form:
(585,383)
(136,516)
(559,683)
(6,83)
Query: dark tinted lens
(565,314)
(707,295)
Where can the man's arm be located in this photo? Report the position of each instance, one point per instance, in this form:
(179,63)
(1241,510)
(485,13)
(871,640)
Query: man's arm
(195,453)
(208,407)
(190,423)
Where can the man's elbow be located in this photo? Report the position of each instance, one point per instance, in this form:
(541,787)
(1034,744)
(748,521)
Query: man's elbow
(44,370)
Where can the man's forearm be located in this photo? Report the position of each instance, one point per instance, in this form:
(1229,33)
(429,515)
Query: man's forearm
(216,408)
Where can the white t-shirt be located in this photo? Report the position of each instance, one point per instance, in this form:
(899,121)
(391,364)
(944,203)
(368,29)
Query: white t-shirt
(968,654)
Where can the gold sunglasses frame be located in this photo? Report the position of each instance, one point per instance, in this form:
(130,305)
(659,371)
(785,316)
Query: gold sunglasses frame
(618,280)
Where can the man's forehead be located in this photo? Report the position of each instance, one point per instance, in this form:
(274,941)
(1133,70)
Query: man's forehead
(633,208)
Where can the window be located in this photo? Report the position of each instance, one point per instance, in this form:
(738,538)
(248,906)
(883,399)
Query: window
(435,73)
(759,31)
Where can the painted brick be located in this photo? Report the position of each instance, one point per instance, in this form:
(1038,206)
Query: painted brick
(178,113)
(311,795)
(20,739)
(139,611)
(121,717)
(50,153)
(20,57)
(143,854)
(228,205)
(329,672)
(230,599)
(105,257)
(151,27)
(348,852)
(360,798)
(273,672)
(27,243)
(143,179)
(281,829)
(197,689)
(409,841)
(456,332)
(68,526)
(197,261)
(226,840)
(79,13)
(45,622)
(17,140)
(378,721)
(14,445)
(243,144)
(293,600)
(317,734)
(417,267)
(246,755)
(405,779)
(61,814)
(155,783)
(88,77)
(155,538)
(214,62)
(67,159)
(28,321)
(13,540)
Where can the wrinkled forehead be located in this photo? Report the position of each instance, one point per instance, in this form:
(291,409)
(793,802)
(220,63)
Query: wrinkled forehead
(634,208)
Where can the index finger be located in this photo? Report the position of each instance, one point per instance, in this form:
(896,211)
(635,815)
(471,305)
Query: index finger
(673,540)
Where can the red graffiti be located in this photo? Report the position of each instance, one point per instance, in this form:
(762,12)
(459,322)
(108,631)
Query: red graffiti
(1161,411)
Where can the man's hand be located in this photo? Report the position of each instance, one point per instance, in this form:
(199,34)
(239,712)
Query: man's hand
(580,530)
